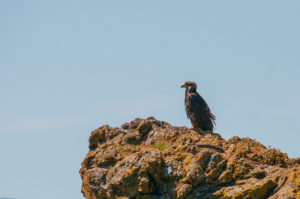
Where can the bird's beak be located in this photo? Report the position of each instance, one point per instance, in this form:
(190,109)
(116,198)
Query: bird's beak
(183,86)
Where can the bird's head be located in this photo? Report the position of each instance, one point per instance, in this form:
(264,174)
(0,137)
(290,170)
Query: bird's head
(189,85)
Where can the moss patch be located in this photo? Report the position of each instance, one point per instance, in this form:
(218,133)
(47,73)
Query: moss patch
(161,146)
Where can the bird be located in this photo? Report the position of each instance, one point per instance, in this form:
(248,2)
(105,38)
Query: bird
(197,109)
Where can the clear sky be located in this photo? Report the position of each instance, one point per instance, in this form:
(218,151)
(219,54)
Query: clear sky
(68,67)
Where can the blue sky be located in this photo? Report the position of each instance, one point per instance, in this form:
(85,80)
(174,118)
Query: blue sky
(68,67)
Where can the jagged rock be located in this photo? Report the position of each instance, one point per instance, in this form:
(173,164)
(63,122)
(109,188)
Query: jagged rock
(147,158)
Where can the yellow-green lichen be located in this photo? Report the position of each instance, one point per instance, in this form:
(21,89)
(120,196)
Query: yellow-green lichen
(161,146)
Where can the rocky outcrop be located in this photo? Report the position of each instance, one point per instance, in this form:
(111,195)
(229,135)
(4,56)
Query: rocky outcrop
(148,158)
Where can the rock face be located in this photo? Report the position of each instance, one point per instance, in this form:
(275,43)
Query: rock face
(148,158)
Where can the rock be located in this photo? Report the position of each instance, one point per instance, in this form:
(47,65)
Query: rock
(183,190)
(258,173)
(145,126)
(147,158)
(133,138)
(248,190)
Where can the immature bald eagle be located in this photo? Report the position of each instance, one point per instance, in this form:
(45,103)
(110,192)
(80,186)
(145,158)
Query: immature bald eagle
(196,108)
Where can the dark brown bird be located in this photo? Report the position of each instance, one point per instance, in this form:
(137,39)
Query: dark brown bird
(197,109)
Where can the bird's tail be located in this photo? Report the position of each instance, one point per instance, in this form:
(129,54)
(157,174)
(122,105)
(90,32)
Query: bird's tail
(213,118)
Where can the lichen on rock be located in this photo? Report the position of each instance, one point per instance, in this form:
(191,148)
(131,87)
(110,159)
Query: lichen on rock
(147,158)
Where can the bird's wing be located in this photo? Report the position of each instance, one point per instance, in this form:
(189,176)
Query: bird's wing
(198,102)
(200,107)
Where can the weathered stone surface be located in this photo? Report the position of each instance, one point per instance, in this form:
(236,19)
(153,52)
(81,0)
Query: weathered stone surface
(148,158)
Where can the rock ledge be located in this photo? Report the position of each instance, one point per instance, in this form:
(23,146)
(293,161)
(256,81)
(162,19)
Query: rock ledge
(147,158)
